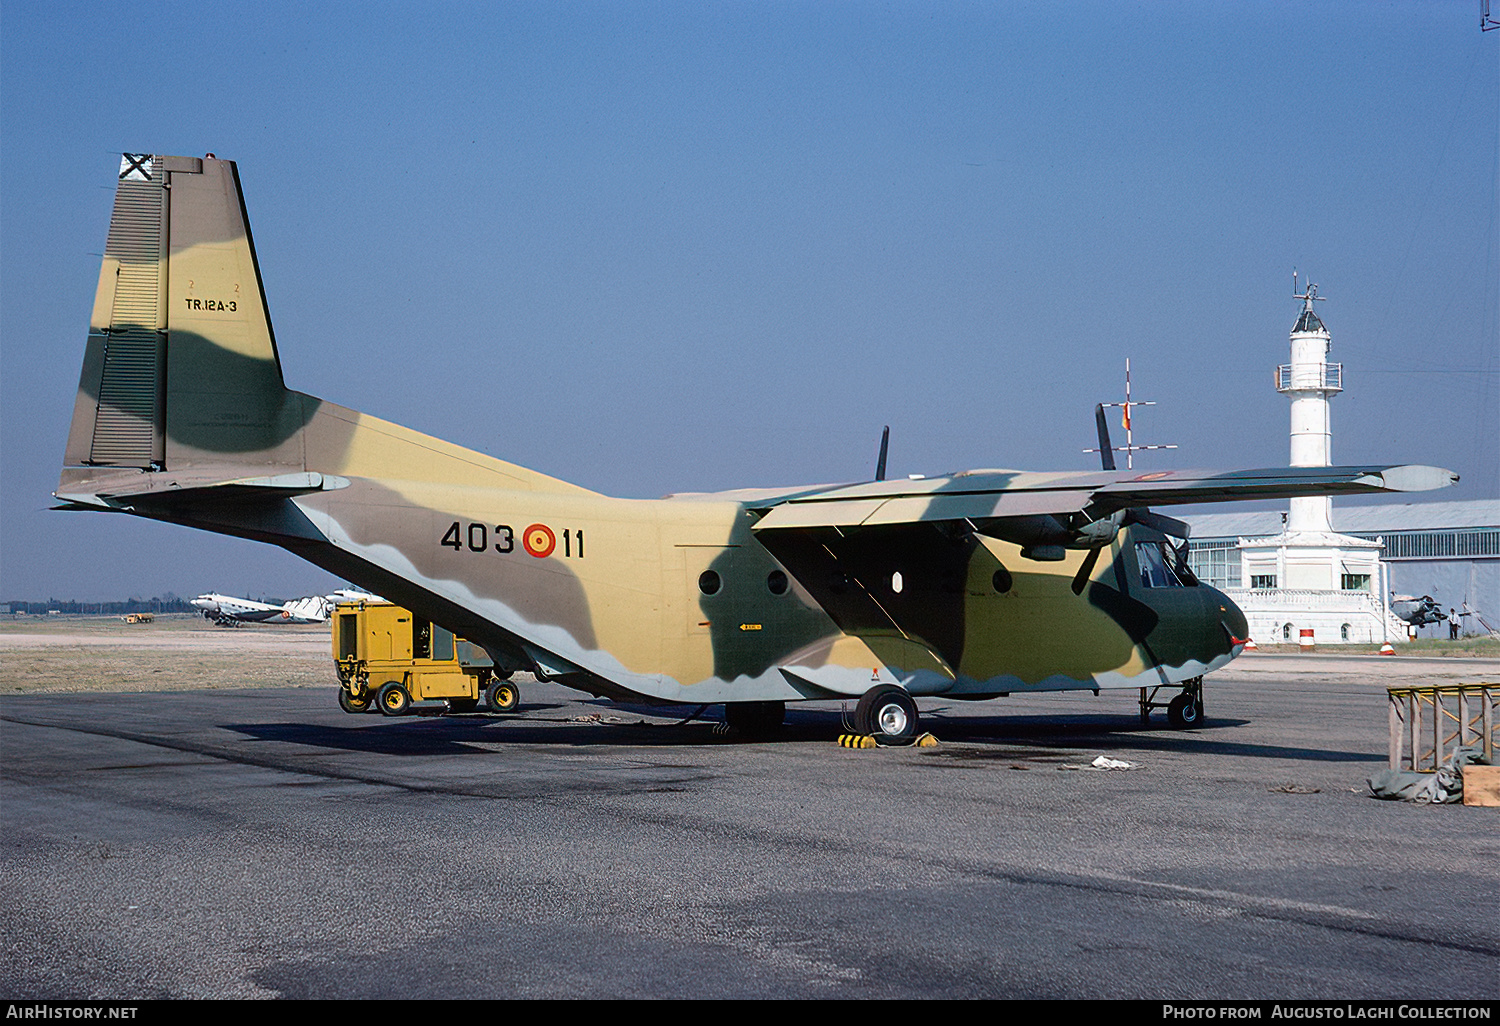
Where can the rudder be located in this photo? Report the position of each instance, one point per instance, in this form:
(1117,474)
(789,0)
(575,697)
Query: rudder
(181,366)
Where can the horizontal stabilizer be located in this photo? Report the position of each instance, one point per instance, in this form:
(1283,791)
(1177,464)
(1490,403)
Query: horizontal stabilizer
(165,490)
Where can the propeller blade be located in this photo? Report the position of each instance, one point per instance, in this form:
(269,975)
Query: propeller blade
(1106,451)
(1085,570)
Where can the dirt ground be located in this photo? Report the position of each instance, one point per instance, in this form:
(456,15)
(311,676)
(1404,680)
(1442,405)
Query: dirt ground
(176,652)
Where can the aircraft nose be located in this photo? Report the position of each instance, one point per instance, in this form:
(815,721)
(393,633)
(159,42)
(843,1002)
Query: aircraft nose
(1235,624)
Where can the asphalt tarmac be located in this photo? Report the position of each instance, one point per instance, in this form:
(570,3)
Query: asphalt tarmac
(262,843)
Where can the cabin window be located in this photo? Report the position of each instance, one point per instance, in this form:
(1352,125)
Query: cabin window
(1156,563)
(897,583)
(442,643)
(776,582)
(1002,580)
(709,582)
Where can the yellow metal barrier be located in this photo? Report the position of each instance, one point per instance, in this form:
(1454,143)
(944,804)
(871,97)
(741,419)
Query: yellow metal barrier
(1428,723)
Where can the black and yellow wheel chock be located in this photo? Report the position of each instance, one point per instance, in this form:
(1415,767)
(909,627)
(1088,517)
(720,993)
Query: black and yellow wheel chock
(870,741)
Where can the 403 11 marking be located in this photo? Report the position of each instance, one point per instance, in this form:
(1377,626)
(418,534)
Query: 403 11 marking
(537,540)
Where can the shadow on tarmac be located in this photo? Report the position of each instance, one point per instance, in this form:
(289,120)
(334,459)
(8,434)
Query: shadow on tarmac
(997,737)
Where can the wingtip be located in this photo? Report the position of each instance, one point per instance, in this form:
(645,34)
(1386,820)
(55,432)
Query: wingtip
(1415,477)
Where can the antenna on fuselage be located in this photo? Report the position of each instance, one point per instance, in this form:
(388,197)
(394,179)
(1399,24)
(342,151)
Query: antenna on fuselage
(885,447)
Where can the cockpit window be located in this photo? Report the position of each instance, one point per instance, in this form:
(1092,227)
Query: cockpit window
(1161,567)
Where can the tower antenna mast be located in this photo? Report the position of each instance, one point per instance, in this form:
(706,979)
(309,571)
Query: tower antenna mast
(1129,448)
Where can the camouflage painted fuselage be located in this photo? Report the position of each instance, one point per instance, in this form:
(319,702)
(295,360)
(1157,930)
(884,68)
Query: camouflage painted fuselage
(971,585)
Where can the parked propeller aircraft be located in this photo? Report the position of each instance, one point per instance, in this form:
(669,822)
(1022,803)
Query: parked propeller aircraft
(228,611)
(969,585)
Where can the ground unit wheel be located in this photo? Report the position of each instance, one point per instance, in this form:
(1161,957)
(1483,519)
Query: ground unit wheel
(887,713)
(394,699)
(1185,710)
(755,718)
(503,696)
(350,704)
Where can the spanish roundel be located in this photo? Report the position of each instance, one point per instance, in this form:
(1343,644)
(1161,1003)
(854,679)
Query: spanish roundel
(539,540)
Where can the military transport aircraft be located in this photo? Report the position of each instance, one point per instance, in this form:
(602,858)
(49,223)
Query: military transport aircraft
(968,585)
(228,611)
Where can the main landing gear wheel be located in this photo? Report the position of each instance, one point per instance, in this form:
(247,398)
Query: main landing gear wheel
(394,700)
(503,696)
(886,713)
(755,718)
(350,704)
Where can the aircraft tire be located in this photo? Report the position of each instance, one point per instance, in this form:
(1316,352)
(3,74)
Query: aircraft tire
(1184,711)
(888,714)
(394,699)
(755,718)
(350,704)
(503,696)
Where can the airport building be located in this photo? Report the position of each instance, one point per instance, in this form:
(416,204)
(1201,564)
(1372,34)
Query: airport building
(1313,575)
(1449,551)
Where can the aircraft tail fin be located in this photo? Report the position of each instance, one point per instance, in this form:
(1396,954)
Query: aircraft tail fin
(181,366)
(181,399)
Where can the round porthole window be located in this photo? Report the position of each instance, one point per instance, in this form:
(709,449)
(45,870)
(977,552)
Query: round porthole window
(776,582)
(1002,580)
(709,583)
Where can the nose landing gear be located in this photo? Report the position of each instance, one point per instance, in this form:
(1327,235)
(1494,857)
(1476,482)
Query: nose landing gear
(1185,710)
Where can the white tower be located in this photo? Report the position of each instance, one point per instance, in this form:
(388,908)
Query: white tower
(1310,380)
(1307,584)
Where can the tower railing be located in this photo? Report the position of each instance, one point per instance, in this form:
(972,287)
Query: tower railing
(1293,377)
(1305,599)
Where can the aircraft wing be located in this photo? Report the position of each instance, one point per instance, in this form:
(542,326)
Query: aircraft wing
(255,615)
(989,495)
(848,545)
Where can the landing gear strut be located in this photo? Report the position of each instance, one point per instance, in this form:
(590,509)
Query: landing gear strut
(1185,710)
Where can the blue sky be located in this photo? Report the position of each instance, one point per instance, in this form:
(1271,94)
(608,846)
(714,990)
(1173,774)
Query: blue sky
(670,247)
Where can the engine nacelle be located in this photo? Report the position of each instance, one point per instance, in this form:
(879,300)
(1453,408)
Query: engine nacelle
(1047,537)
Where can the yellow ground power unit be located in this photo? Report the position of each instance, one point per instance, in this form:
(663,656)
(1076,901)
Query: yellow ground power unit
(391,659)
